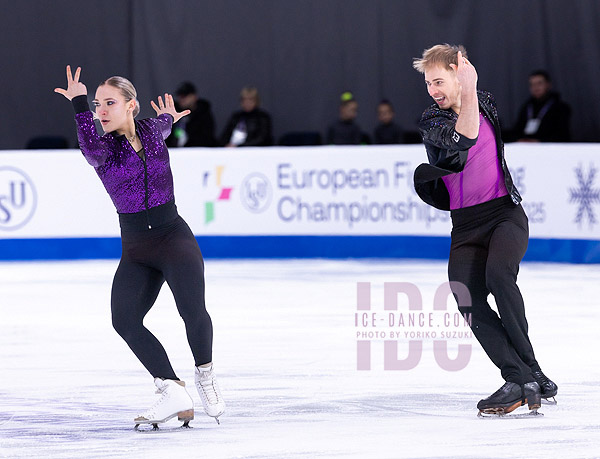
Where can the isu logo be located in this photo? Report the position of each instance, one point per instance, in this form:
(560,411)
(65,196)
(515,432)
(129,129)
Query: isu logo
(256,192)
(17,198)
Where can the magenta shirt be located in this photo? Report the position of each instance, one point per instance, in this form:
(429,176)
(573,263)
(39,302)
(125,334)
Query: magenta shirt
(482,178)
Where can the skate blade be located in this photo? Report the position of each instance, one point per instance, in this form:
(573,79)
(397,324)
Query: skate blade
(549,401)
(156,427)
(501,410)
(183,416)
(499,415)
(142,421)
(215,416)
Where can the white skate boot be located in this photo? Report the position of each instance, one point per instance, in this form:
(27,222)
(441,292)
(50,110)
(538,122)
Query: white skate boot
(212,400)
(174,401)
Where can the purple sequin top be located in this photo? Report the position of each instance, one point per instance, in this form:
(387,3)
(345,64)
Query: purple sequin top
(482,178)
(122,171)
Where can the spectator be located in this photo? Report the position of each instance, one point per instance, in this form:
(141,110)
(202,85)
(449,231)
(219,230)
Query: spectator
(345,131)
(249,127)
(544,117)
(387,132)
(197,129)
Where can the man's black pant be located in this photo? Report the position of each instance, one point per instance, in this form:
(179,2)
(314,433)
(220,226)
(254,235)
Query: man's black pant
(488,242)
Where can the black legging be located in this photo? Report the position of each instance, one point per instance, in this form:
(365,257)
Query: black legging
(488,242)
(169,252)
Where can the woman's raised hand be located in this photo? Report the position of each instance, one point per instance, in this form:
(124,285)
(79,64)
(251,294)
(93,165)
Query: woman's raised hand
(74,86)
(168,106)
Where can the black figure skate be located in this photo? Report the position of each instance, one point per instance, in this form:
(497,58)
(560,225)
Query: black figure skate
(548,388)
(510,397)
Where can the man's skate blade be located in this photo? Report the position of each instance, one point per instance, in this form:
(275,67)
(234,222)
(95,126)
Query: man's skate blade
(549,401)
(501,410)
(511,415)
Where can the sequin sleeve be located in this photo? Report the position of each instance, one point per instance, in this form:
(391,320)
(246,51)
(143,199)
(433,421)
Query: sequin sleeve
(92,146)
(438,128)
(164,123)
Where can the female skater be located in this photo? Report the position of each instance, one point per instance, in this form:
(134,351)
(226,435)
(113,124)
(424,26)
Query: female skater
(132,161)
(467,174)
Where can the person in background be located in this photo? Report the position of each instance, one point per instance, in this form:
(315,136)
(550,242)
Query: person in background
(345,131)
(387,131)
(544,117)
(250,126)
(197,129)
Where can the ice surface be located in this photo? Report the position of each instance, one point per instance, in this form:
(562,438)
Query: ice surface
(285,353)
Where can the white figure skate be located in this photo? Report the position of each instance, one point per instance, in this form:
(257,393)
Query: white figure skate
(208,389)
(174,401)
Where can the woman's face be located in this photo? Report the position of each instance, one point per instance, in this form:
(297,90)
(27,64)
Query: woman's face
(113,111)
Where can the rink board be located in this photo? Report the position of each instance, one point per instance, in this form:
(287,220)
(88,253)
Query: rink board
(334,247)
(281,202)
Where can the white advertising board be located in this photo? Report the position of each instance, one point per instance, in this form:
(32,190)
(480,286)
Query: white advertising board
(364,190)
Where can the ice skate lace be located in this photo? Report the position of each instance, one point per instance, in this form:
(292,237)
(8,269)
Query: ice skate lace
(499,391)
(541,378)
(151,413)
(210,389)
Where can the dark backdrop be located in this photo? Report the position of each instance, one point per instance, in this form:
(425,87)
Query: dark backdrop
(300,54)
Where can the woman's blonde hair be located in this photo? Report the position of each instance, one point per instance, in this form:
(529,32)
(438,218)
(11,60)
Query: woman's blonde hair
(127,90)
(442,55)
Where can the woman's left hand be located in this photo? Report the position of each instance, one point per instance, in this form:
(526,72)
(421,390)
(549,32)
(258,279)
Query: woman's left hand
(168,106)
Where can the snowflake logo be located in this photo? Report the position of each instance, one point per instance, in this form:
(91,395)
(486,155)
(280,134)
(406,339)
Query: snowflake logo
(585,195)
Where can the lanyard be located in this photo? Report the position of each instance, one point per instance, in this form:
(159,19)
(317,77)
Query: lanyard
(542,112)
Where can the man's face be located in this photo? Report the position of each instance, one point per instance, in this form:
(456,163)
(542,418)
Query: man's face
(444,87)
(385,114)
(538,86)
(188,101)
(349,111)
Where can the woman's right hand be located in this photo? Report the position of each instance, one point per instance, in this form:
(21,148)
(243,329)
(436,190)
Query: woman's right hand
(74,86)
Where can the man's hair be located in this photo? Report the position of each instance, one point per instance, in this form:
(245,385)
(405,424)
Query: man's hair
(442,55)
(541,73)
(185,89)
(386,102)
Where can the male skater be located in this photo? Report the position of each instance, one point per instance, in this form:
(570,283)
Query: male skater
(467,174)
